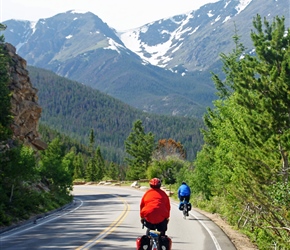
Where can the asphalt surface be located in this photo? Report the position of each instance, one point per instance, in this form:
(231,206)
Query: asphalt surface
(106,217)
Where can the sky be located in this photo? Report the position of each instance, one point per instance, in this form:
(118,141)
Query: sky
(118,14)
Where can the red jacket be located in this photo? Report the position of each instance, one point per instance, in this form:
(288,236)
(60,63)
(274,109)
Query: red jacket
(155,206)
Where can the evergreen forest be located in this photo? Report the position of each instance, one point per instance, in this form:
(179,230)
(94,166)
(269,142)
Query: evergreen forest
(236,160)
(31,182)
(242,171)
(74,109)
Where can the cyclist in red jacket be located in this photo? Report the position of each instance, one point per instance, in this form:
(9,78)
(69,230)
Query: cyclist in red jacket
(155,207)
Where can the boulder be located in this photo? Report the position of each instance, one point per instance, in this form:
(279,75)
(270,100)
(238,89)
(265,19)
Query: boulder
(135,184)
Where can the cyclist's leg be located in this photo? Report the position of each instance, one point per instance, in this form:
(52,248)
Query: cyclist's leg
(149,226)
(162,227)
(164,241)
(184,211)
(187,198)
(181,199)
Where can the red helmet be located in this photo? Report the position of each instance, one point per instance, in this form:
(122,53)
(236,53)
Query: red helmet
(155,183)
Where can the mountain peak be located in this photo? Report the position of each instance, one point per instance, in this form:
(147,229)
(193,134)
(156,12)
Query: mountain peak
(160,67)
(78,11)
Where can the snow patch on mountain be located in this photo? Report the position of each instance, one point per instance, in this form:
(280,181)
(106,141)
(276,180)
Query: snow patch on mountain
(195,29)
(113,45)
(78,11)
(163,43)
(18,46)
(33,26)
(242,5)
(226,19)
(158,54)
(227,3)
(209,14)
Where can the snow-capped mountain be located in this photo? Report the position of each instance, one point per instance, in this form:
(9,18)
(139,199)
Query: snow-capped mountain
(62,37)
(193,41)
(81,47)
(162,67)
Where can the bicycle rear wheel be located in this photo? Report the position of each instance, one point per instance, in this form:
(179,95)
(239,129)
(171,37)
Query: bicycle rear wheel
(184,211)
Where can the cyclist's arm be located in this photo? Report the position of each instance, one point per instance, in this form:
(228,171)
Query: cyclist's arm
(168,207)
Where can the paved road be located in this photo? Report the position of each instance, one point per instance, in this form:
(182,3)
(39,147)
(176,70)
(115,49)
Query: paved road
(108,218)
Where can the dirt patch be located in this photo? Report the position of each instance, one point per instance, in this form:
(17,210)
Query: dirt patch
(241,241)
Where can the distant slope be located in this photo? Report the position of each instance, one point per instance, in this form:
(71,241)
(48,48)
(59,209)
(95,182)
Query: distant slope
(73,109)
(194,41)
(82,47)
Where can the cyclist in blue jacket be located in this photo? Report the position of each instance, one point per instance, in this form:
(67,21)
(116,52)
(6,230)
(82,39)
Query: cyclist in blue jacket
(184,192)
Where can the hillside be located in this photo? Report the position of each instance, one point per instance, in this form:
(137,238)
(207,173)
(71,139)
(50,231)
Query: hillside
(193,41)
(83,48)
(73,109)
(163,67)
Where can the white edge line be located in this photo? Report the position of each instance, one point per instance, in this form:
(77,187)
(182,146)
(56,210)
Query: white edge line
(217,245)
(38,224)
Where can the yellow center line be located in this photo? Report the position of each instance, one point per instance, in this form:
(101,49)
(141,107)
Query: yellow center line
(109,229)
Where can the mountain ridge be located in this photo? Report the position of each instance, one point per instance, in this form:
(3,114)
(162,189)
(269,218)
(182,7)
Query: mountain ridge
(117,72)
(221,16)
(83,48)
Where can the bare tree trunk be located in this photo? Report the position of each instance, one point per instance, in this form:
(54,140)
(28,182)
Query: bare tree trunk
(285,165)
(11,195)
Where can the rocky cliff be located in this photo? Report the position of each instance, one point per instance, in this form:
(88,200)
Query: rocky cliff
(25,109)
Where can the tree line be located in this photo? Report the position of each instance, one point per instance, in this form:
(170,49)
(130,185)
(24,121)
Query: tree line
(35,182)
(74,109)
(241,171)
(29,183)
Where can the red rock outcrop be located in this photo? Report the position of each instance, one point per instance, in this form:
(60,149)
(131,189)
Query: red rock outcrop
(25,109)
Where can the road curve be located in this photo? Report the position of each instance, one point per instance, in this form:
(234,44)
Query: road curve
(106,217)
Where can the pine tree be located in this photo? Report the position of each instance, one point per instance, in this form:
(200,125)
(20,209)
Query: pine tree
(92,142)
(245,159)
(113,171)
(100,164)
(56,167)
(139,146)
(79,167)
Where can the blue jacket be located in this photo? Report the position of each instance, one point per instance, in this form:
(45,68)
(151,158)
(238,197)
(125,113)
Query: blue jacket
(183,190)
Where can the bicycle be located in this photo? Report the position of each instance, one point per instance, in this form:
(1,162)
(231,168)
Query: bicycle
(185,208)
(154,240)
